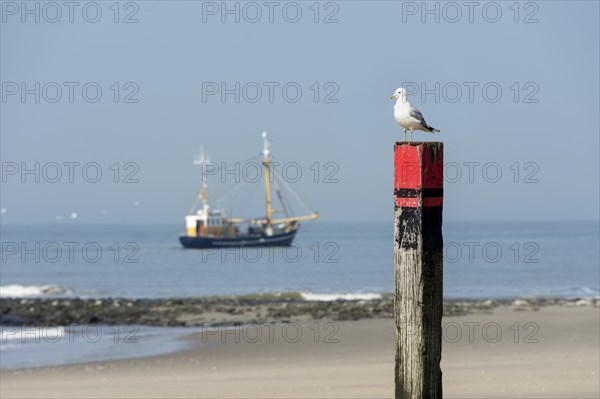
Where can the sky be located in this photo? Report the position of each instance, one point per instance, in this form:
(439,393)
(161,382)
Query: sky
(107,106)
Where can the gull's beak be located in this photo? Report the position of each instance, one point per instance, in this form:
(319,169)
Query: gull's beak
(392,97)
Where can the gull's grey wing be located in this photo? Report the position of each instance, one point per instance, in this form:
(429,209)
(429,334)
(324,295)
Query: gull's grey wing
(415,113)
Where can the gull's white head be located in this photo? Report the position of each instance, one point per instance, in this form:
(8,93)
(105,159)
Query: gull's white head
(399,93)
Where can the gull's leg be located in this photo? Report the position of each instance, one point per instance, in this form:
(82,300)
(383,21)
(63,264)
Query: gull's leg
(411,132)
(404,134)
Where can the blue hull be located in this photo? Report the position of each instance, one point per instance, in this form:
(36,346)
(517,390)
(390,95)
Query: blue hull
(276,240)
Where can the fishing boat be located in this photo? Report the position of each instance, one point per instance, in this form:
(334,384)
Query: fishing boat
(208,227)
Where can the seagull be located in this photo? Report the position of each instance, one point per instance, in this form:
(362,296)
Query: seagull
(407,116)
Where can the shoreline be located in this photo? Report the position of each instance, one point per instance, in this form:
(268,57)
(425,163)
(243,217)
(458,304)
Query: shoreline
(558,358)
(238,310)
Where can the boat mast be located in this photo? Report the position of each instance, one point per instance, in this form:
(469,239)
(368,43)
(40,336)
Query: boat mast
(266,163)
(202,160)
(269,219)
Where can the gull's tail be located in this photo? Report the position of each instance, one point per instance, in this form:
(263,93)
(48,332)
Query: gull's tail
(432,129)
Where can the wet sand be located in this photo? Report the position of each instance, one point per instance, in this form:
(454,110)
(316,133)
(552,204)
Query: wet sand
(556,353)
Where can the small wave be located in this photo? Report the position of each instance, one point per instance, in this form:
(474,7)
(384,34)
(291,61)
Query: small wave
(22,291)
(31,334)
(586,292)
(310,296)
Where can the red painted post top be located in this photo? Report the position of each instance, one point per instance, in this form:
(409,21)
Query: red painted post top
(419,174)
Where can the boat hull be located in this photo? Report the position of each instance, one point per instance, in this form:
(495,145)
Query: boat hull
(276,240)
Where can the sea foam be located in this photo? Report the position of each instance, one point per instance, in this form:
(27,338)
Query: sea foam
(310,296)
(23,291)
(30,334)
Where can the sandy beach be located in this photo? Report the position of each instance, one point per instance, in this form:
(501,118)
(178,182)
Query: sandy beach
(504,353)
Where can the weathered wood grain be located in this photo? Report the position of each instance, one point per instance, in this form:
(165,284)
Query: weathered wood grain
(418,263)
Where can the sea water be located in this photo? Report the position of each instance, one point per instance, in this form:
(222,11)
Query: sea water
(327,261)
(37,346)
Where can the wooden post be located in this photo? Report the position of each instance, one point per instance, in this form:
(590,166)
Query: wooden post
(418,263)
